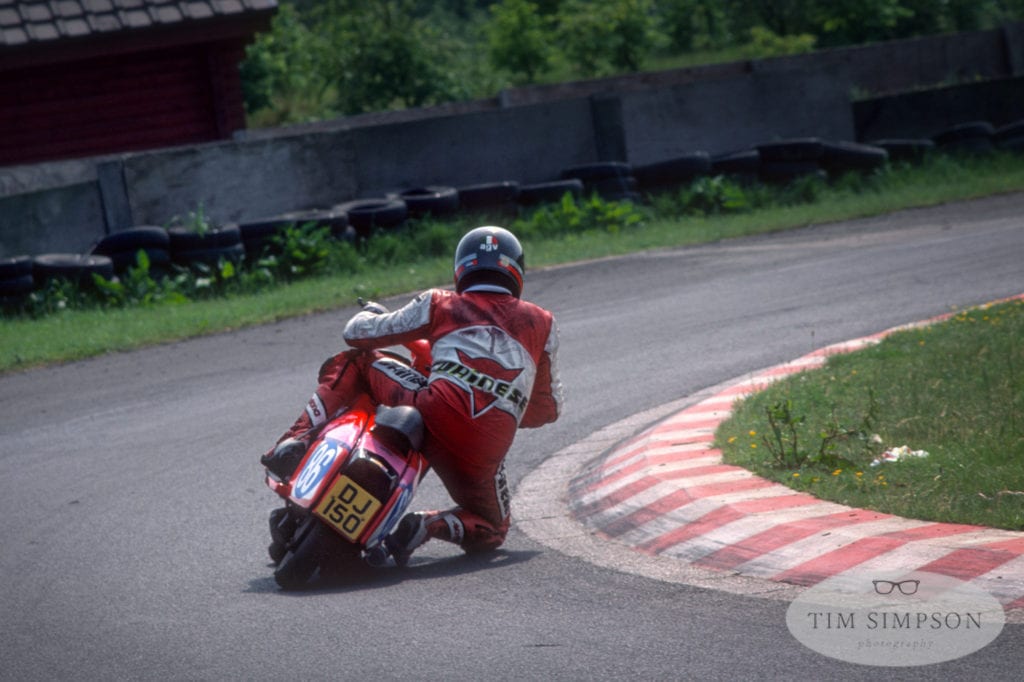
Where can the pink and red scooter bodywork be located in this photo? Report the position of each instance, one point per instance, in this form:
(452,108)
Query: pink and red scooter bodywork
(351,502)
(350,490)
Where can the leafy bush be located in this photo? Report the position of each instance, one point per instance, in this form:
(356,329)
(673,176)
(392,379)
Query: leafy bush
(575,216)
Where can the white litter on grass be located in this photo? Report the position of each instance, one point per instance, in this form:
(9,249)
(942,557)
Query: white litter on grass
(896,454)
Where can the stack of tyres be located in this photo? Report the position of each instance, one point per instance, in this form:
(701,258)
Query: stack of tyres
(258,235)
(208,247)
(433,200)
(16,281)
(973,137)
(123,247)
(783,161)
(72,267)
(366,216)
(500,196)
(1010,137)
(908,150)
(611,180)
(743,165)
(549,192)
(674,172)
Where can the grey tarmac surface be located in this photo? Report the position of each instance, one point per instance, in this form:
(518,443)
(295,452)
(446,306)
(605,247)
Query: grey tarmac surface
(134,517)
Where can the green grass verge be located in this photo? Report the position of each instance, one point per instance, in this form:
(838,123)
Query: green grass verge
(954,390)
(76,334)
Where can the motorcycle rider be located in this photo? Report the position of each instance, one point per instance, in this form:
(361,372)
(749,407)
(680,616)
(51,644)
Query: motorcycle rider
(493,370)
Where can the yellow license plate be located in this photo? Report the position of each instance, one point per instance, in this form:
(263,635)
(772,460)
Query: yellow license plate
(348,507)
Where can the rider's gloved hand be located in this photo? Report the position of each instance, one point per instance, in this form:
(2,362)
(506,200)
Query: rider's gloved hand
(373,307)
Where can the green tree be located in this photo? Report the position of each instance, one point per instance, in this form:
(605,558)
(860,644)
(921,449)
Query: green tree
(694,24)
(384,57)
(607,36)
(519,39)
(284,70)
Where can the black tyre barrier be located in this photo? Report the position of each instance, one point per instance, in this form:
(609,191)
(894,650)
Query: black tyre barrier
(908,149)
(974,137)
(787,171)
(431,200)
(794,150)
(366,215)
(183,239)
(500,195)
(210,256)
(744,164)
(133,239)
(549,192)
(840,157)
(13,287)
(18,266)
(681,170)
(75,267)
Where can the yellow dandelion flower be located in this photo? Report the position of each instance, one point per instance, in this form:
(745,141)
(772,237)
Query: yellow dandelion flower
(837,472)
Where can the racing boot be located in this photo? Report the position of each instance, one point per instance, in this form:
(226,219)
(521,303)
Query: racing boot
(416,528)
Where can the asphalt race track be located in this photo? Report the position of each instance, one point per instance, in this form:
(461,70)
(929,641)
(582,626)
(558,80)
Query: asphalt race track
(133,526)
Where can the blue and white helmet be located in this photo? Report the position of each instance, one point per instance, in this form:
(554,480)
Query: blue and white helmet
(490,255)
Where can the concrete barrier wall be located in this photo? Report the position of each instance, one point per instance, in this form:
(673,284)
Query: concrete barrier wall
(925,113)
(730,115)
(527,135)
(255,178)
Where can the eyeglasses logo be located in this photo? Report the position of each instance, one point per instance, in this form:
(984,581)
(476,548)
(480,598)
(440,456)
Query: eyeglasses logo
(906,587)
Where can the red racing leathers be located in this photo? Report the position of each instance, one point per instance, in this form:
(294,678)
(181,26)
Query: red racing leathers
(492,370)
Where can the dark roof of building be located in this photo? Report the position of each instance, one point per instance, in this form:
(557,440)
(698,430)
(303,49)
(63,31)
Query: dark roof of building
(36,23)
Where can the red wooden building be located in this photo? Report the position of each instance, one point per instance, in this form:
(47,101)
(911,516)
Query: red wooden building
(90,77)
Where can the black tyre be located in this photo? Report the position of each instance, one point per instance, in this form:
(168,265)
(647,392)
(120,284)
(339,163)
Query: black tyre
(122,260)
(1010,137)
(841,157)
(787,171)
(489,195)
(906,149)
(549,192)
(595,172)
(790,151)
(434,201)
(674,172)
(182,239)
(615,189)
(745,163)
(18,266)
(974,137)
(71,266)
(17,286)
(367,215)
(133,239)
(209,256)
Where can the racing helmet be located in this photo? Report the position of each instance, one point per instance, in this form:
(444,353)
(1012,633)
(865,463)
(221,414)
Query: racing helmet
(490,255)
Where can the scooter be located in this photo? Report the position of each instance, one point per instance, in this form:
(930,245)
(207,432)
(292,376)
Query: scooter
(350,490)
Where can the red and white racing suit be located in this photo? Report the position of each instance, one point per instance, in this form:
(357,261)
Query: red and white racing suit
(493,370)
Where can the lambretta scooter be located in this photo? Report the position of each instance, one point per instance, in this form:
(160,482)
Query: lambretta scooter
(350,490)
